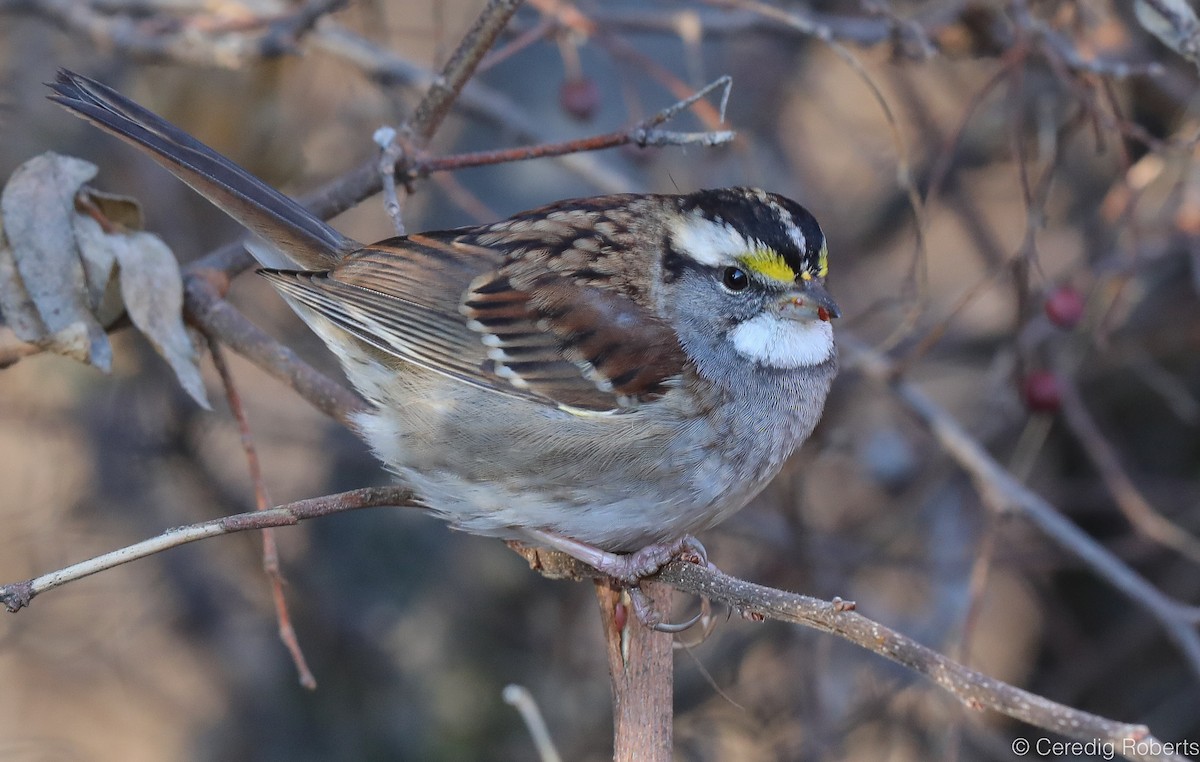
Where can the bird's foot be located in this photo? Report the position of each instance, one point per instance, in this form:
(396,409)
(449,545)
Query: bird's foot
(626,568)
(630,568)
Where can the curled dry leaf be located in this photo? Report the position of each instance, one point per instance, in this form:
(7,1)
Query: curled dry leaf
(99,268)
(123,212)
(44,291)
(153,293)
(64,275)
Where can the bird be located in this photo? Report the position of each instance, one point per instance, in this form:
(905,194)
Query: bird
(603,376)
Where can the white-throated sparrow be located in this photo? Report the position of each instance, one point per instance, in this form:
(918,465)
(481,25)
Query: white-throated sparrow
(601,375)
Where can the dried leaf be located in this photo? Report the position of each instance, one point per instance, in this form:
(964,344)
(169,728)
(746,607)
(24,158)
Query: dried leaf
(1174,23)
(66,274)
(153,292)
(97,250)
(123,211)
(37,207)
(15,304)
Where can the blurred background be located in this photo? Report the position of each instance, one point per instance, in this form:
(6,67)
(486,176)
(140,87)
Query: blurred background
(1012,202)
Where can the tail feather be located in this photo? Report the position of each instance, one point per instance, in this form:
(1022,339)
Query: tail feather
(305,239)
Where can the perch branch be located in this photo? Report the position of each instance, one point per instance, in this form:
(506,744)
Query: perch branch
(973,689)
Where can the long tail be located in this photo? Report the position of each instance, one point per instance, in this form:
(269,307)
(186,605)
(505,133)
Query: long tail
(289,227)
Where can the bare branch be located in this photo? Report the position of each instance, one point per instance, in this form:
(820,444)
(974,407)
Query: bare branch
(220,320)
(643,134)
(454,75)
(189,42)
(262,502)
(973,689)
(1137,509)
(17,595)
(1004,493)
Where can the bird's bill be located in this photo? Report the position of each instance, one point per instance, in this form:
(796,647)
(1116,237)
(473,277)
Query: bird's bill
(809,301)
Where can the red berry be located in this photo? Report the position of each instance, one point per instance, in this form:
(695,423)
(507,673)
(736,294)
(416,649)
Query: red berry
(1041,392)
(1064,306)
(579,97)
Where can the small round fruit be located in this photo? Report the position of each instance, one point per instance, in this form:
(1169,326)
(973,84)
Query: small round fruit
(1042,392)
(1064,307)
(579,97)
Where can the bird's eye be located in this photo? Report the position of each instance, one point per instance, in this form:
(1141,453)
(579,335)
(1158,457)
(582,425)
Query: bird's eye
(735,279)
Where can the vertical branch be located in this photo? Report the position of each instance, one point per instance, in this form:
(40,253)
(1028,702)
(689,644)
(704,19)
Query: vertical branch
(262,502)
(436,104)
(640,666)
(461,66)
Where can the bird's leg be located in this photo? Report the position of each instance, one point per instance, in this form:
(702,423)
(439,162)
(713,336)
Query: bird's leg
(623,567)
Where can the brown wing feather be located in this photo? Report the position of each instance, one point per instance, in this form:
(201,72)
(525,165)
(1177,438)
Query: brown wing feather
(450,306)
(615,350)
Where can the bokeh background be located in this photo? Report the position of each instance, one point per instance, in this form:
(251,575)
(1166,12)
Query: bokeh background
(1039,173)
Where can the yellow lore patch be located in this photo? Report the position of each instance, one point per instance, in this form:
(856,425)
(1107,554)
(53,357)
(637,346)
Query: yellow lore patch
(769,264)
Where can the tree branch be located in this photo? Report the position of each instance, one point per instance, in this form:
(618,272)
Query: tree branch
(1003,493)
(17,595)
(974,689)
(444,90)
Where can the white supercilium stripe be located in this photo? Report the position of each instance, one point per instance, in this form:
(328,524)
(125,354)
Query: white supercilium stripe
(714,244)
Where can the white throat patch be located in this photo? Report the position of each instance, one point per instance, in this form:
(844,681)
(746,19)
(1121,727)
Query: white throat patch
(780,343)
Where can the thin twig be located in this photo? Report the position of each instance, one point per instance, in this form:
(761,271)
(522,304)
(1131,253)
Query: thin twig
(519,697)
(644,133)
(18,595)
(1145,518)
(1004,493)
(262,502)
(444,90)
(392,152)
(977,583)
